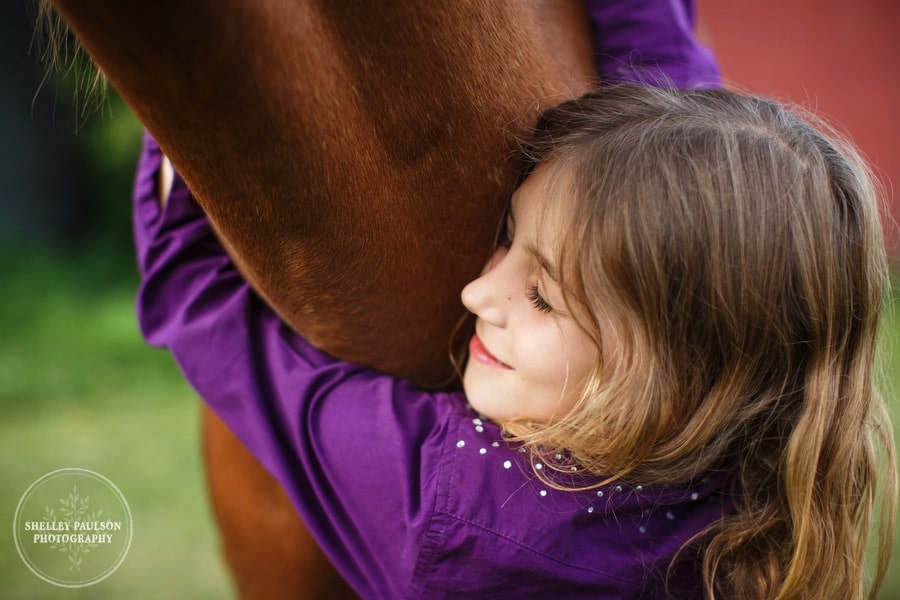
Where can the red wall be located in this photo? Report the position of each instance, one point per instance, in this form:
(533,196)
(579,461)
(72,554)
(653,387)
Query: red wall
(839,57)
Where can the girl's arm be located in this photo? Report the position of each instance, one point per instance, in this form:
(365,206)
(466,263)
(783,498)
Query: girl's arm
(650,41)
(343,441)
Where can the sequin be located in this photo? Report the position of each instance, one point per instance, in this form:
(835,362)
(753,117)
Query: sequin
(599,493)
(479,428)
(642,529)
(460,443)
(694,496)
(495,444)
(639,488)
(538,466)
(477,422)
(590,509)
(670,515)
(507,464)
(543,492)
(618,488)
(482,451)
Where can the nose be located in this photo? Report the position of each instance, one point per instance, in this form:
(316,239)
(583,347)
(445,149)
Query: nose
(486,296)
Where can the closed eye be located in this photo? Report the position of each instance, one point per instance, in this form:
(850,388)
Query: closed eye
(537,300)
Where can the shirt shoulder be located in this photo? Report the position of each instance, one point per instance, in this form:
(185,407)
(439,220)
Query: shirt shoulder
(501,530)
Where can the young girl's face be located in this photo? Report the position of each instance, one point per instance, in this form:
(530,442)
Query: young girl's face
(528,359)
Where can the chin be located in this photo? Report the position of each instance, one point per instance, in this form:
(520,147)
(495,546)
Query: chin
(490,393)
(477,397)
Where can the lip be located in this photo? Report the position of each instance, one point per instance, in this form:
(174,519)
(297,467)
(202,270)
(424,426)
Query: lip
(482,355)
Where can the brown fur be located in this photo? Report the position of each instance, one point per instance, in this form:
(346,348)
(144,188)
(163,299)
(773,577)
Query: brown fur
(363,144)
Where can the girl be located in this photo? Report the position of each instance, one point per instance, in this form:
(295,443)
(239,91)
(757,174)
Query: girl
(668,392)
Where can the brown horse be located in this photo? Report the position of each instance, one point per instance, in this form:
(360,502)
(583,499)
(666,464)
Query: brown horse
(362,144)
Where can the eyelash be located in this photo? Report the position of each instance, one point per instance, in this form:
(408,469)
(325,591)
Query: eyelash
(537,300)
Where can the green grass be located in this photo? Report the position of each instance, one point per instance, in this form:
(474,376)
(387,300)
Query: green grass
(79,388)
(889,362)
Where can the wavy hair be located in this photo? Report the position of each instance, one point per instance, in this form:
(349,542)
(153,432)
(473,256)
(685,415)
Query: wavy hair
(735,247)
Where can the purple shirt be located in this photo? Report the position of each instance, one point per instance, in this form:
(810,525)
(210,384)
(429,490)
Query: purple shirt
(409,493)
(650,41)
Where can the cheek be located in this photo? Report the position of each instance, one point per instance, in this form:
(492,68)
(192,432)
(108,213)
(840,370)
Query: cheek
(573,360)
(552,359)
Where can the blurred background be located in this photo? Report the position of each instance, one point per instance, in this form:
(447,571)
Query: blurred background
(78,388)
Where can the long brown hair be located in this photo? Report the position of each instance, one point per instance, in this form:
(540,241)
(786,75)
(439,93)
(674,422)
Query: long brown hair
(737,252)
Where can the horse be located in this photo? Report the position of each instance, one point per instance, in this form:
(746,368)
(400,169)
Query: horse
(363,144)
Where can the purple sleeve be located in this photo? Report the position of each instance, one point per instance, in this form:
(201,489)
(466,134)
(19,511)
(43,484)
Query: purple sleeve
(368,493)
(651,42)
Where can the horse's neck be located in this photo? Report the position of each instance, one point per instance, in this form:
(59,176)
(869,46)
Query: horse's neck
(351,154)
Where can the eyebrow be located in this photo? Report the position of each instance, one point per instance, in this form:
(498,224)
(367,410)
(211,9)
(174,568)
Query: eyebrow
(542,260)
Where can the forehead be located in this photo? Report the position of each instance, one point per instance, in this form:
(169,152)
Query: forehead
(540,211)
(544,196)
